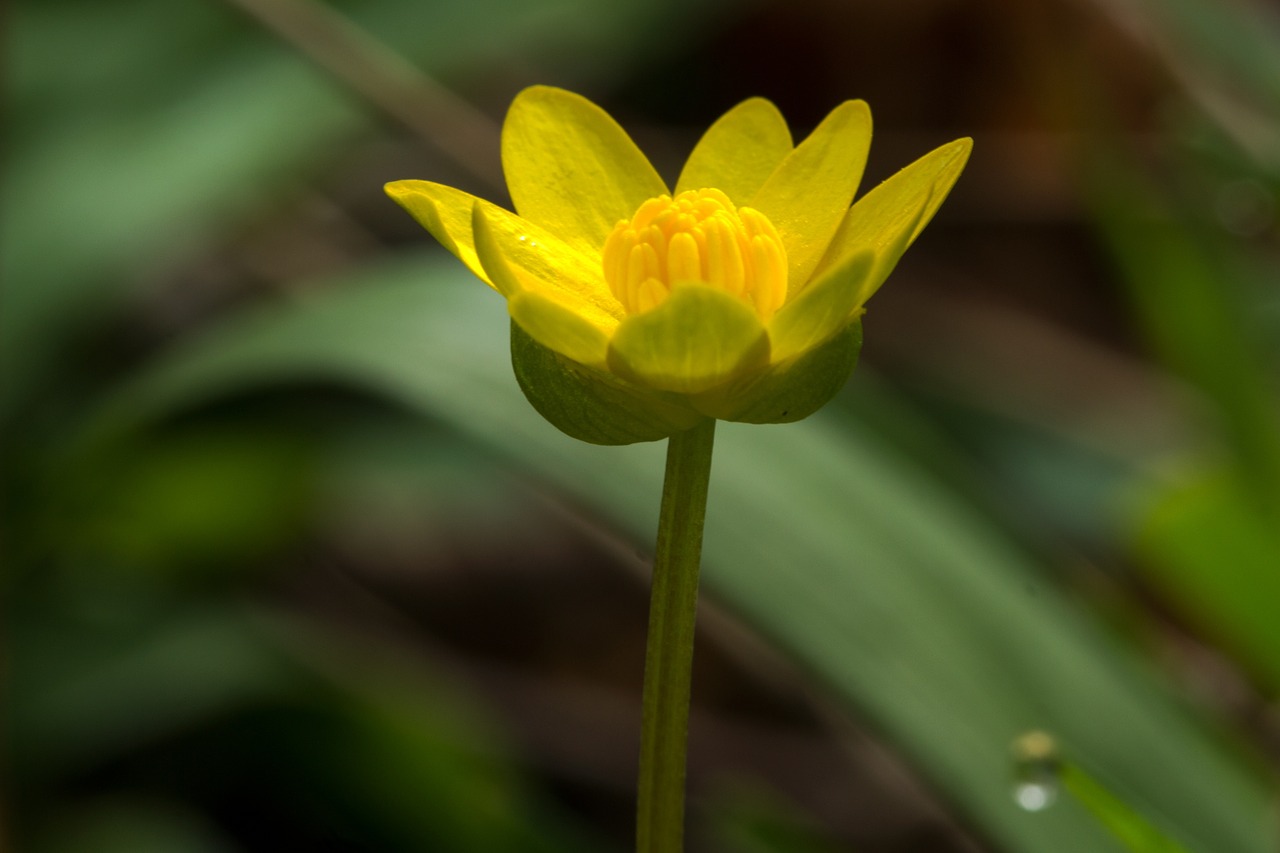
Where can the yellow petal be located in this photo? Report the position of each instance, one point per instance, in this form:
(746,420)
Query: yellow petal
(739,152)
(446,213)
(698,338)
(571,169)
(823,308)
(809,194)
(558,327)
(518,257)
(890,217)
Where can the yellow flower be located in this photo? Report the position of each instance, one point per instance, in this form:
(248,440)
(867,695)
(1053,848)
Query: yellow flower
(638,310)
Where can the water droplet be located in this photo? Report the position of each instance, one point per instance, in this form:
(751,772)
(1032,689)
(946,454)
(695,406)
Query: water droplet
(1034,796)
(1036,767)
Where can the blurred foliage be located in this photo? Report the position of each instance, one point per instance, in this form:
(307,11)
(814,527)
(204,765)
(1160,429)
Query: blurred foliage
(1131,828)
(754,821)
(204,451)
(1193,233)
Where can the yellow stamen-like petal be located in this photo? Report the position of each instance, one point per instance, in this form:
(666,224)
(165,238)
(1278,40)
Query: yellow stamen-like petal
(697,237)
(769,264)
(684,261)
(725,266)
(650,293)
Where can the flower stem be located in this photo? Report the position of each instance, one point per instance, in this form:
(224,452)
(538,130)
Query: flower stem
(669,654)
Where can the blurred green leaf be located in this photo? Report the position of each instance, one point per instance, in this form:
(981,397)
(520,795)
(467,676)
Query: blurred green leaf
(198,500)
(178,118)
(99,192)
(905,603)
(130,826)
(1044,469)
(1241,39)
(1192,308)
(99,666)
(1210,541)
(1208,544)
(404,762)
(213,702)
(747,819)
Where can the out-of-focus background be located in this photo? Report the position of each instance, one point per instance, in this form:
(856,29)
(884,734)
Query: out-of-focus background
(289,563)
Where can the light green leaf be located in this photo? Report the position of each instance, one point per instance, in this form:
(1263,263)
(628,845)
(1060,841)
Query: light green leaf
(1216,552)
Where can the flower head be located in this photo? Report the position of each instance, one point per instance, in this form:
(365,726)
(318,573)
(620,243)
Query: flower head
(638,310)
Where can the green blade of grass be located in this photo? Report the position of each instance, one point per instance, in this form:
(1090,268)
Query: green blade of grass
(1134,831)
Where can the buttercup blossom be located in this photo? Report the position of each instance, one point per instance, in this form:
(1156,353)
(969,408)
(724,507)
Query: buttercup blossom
(639,310)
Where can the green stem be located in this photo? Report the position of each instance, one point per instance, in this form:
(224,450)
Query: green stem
(669,654)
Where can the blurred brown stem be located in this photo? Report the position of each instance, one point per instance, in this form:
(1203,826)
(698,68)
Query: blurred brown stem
(384,78)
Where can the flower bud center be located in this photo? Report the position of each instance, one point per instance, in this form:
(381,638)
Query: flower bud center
(698,236)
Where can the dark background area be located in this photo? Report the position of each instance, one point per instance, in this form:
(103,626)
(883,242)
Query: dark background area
(288,562)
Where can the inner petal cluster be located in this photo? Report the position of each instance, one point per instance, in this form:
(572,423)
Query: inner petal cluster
(698,236)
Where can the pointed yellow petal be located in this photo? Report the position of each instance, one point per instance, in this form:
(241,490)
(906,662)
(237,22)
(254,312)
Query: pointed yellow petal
(558,327)
(809,194)
(446,213)
(495,266)
(887,256)
(698,338)
(739,152)
(890,217)
(820,310)
(571,169)
(518,257)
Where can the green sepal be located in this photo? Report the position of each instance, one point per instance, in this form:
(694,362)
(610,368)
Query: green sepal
(590,405)
(697,339)
(790,391)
